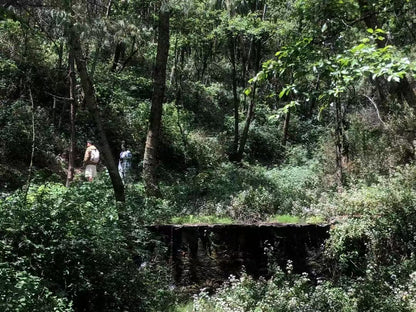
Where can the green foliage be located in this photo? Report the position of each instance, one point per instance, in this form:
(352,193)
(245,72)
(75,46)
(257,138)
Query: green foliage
(21,291)
(204,151)
(244,193)
(374,223)
(289,292)
(76,245)
(264,140)
(193,147)
(80,248)
(8,71)
(373,148)
(280,293)
(15,119)
(205,105)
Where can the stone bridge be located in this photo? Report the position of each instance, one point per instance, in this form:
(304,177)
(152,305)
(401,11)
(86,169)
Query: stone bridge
(208,254)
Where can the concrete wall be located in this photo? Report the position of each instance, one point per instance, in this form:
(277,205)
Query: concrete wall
(208,254)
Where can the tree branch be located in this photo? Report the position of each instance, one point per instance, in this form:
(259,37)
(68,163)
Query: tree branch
(378,112)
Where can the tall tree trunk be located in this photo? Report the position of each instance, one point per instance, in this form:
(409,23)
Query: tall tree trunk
(32,154)
(118,55)
(91,101)
(339,144)
(108,11)
(251,107)
(249,118)
(176,80)
(71,156)
(286,128)
(159,83)
(236,101)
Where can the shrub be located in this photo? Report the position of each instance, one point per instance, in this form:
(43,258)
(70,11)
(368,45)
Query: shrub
(75,242)
(282,293)
(374,224)
(244,193)
(289,292)
(21,291)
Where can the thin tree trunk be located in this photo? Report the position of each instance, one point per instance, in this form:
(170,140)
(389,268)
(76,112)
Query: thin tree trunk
(251,107)
(108,12)
(118,54)
(286,128)
(71,154)
(54,111)
(91,102)
(152,140)
(60,49)
(249,118)
(176,79)
(338,144)
(236,101)
(32,154)
(133,51)
(245,68)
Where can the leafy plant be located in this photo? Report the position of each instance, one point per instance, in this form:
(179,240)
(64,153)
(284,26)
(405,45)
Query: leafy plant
(21,291)
(78,243)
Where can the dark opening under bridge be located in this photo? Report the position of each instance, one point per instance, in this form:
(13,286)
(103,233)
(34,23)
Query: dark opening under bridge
(206,254)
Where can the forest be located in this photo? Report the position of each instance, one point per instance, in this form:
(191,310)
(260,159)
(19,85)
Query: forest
(235,112)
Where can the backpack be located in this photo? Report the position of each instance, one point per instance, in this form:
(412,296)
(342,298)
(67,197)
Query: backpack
(95,156)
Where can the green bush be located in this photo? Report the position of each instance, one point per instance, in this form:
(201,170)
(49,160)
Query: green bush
(21,291)
(244,193)
(282,293)
(286,292)
(374,147)
(374,225)
(84,247)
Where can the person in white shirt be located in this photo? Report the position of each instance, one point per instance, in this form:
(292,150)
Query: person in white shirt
(124,164)
(91,159)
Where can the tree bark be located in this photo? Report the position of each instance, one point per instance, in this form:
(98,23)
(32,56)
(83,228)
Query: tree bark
(159,83)
(251,107)
(236,102)
(118,55)
(91,102)
(339,144)
(249,118)
(177,81)
(286,128)
(71,156)
(32,154)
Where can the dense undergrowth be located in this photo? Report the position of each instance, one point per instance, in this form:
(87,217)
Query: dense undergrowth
(332,140)
(76,249)
(67,248)
(64,249)
(370,258)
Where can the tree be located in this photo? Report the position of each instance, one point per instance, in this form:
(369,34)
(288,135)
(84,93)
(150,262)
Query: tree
(91,101)
(71,154)
(246,33)
(150,161)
